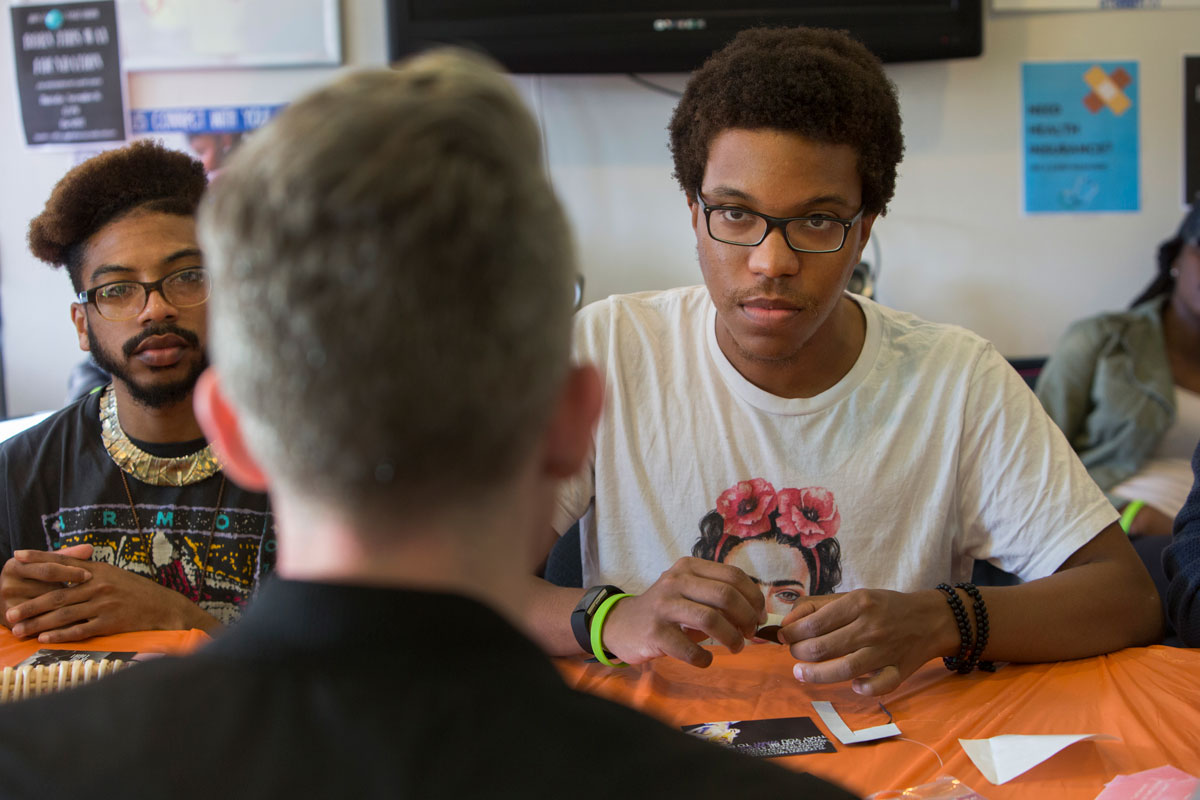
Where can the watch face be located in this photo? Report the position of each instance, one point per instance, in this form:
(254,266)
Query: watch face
(588,604)
(594,597)
(585,612)
(581,617)
(599,598)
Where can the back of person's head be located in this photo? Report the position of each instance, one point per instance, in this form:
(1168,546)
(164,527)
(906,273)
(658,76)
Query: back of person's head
(1164,279)
(818,83)
(144,176)
(392,287)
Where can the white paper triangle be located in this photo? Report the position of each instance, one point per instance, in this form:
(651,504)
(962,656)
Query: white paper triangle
(1002,758)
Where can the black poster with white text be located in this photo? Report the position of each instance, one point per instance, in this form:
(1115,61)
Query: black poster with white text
(69,72)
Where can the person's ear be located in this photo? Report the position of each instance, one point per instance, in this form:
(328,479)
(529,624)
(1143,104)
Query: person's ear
(865,224)
(694,208)
(569,437)
(79,318)
(219,421)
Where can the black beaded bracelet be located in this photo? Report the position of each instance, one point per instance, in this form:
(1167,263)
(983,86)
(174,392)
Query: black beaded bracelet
(958,663)
(981,627)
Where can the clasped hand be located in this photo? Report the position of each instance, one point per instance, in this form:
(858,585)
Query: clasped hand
(63,596)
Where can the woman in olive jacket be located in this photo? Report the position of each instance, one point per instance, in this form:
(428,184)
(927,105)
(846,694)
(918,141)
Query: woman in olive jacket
(1125,389)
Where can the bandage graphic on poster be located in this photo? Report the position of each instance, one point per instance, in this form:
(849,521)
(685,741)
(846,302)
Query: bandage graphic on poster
(1080,136)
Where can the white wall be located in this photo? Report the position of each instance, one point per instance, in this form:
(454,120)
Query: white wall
(955,246)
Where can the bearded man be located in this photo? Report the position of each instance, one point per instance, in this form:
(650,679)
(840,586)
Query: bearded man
(115,515)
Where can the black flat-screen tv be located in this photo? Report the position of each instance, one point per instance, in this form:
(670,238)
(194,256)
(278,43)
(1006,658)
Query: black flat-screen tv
(589,36)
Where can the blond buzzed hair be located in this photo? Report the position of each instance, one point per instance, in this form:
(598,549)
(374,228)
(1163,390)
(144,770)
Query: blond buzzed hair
(392,286)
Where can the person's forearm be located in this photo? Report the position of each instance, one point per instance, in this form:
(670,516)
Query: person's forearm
(1080,611)
(199,618)
(187,614)
(548,616)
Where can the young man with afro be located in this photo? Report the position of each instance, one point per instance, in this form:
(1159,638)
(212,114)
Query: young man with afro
(115,514)
(879,447)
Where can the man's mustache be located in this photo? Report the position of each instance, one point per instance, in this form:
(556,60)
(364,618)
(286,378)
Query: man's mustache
(773,289)
(160,330)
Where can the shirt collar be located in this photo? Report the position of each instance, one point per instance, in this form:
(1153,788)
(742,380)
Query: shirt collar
(290,617)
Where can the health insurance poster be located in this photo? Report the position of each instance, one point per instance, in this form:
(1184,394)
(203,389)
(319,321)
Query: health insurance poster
(1080,136)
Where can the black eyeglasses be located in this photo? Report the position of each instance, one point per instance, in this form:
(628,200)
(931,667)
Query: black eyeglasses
(740,226)
(121,300)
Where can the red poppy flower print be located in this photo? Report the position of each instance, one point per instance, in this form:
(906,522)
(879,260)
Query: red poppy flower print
(812,514)
(746,507)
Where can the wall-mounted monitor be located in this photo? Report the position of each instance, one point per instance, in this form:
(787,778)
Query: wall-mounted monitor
(589,36)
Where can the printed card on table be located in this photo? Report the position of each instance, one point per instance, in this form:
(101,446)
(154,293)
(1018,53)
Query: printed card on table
(765,738)
(48,657)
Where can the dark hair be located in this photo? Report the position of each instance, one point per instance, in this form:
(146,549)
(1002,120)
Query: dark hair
(815,82)
(145,176)
(827,552)
(1163,281)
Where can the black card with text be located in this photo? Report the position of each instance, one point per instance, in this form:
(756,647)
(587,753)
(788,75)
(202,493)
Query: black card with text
(765,738)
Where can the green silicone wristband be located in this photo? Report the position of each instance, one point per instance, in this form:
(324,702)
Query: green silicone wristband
(598,626)
(1131,511)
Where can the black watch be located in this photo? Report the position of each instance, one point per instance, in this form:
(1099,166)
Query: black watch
(581,617)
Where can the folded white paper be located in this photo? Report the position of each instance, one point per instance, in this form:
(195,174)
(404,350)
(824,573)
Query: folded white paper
(841,730)
(769,630)
(1002,758)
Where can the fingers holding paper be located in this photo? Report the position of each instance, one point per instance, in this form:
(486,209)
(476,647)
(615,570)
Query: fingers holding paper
(695,599)
(874,638)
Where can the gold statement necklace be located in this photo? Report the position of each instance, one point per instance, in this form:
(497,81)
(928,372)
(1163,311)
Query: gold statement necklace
(158,470)
(147,468)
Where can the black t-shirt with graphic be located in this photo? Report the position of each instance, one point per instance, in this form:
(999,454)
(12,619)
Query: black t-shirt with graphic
(61,488)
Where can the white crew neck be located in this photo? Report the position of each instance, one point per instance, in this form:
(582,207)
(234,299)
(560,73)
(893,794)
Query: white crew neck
(791,406)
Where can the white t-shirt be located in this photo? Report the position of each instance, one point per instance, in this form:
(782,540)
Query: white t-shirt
(930,453)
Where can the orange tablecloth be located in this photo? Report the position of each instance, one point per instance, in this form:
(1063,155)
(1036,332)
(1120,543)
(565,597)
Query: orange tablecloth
(13,650)
(1149,698)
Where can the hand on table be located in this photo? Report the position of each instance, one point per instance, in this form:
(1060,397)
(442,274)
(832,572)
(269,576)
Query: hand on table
(694,600)
(21,581)
(873,637)
(108,600)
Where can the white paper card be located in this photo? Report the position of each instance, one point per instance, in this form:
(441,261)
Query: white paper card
(1002,758)
(841,730)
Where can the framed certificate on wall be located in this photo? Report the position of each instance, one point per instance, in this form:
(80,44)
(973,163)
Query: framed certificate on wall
(198,34)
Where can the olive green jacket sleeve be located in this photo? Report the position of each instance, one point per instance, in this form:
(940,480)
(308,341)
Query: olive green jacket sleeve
(1108,386)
